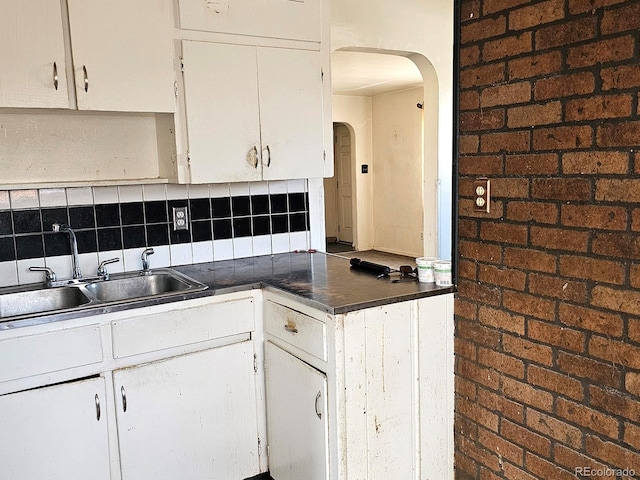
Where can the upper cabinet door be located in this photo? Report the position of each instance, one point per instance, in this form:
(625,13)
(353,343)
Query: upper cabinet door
(291,116)
(285,19)
(221,97)
(32,55)
(123,55)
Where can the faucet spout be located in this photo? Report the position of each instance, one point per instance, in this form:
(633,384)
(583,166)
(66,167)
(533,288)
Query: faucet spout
(75,259)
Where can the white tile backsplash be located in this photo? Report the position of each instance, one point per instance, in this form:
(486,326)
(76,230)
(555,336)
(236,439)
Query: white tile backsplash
(27,276)
(8,274)
(223,249)
(161,257)
(24,199)
(298,241)
(202,252)
(130,193)
(181,254)
(238,189)
(278,186)
(198,191)
(219,190)
(79,196)
(53,197)
(177,192)
(5,204)
(297,186)
(262,245)
(105,194)
(116,267)
(132,259)
(280,243)
(259,188)
(242,247)
(154,192)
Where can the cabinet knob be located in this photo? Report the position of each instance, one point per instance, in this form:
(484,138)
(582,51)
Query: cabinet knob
(268,156)
(252,157)
(291,327)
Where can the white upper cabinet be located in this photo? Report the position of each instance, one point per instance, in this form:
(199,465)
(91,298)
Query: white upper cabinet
(285,19)
(32,55)
(252,112)
(122,55)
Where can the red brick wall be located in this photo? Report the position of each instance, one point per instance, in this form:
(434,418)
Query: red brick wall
(548,310)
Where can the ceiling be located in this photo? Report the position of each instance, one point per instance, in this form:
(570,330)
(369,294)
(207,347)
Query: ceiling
(369,74)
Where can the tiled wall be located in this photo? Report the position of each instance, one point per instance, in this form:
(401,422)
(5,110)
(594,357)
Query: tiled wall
(225,221)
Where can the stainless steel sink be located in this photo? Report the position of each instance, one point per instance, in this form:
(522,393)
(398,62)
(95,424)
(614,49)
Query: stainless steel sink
(42,300)
(33,300)
(125,287)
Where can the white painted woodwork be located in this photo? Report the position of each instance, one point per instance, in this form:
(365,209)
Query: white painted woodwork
(58,147)
(126,49)
(192,416)
(342,153)
(54,432)
(183,326)
(251,119)
(291,120)
(296,417)
(222,111)
(297,329)
(31,41)
(390,382)
(49,352)
(287,19)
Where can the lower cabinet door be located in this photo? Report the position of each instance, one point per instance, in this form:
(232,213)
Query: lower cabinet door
(57,432)
(192,416)
(296,417)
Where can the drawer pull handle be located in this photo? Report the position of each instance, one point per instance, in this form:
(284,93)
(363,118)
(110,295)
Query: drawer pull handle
(86,78)
(97,407)
(318,413)
(124,399)
(291,327)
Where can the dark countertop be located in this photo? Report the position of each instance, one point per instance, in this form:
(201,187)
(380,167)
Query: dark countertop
(322,281)
(325,282)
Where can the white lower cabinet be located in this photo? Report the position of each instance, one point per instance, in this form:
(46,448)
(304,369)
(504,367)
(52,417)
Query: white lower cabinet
(56,432)
(192,416)
(296,417)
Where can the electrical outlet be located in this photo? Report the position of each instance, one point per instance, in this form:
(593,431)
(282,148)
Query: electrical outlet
(180,220)
(482,195)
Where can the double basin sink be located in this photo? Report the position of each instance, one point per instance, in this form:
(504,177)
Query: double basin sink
(30,300)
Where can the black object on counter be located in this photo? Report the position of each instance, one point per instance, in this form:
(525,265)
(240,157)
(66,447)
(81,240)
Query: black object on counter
(375,268)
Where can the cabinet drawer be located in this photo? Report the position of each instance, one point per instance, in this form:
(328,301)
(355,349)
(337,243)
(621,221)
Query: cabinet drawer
(49,352)
(181,326)
(297,329)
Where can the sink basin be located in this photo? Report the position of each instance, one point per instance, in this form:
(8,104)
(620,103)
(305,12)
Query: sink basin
(134,286)
(41,300)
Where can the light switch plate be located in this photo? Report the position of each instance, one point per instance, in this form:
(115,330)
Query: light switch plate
(482,195)
(180,220)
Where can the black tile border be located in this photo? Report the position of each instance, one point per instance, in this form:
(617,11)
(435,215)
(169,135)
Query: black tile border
(27,233)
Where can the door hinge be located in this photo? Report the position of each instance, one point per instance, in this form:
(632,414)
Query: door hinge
(322,75)
(268,450)
(255,369)
(181,64)
(324,155)
(175,89)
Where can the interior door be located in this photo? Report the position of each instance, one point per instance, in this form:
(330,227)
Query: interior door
(223,118)
(31,54)
(296,417)
(345,189)
(57,432)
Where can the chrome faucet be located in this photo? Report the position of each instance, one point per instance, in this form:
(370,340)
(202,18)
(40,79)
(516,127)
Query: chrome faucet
(145,260)
(75,260)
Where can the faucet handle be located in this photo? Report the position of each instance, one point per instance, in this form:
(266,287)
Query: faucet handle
(102,269)
(50,275)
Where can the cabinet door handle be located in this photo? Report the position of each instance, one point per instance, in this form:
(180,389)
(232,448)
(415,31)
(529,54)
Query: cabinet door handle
(291,327)
(252,157)
(268,156)
(124,399)
(318,413)
(86,78)
(97,407)
(55,75)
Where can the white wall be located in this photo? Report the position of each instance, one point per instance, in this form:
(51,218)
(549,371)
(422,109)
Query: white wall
(397,173)
(356,113)
(424,33)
